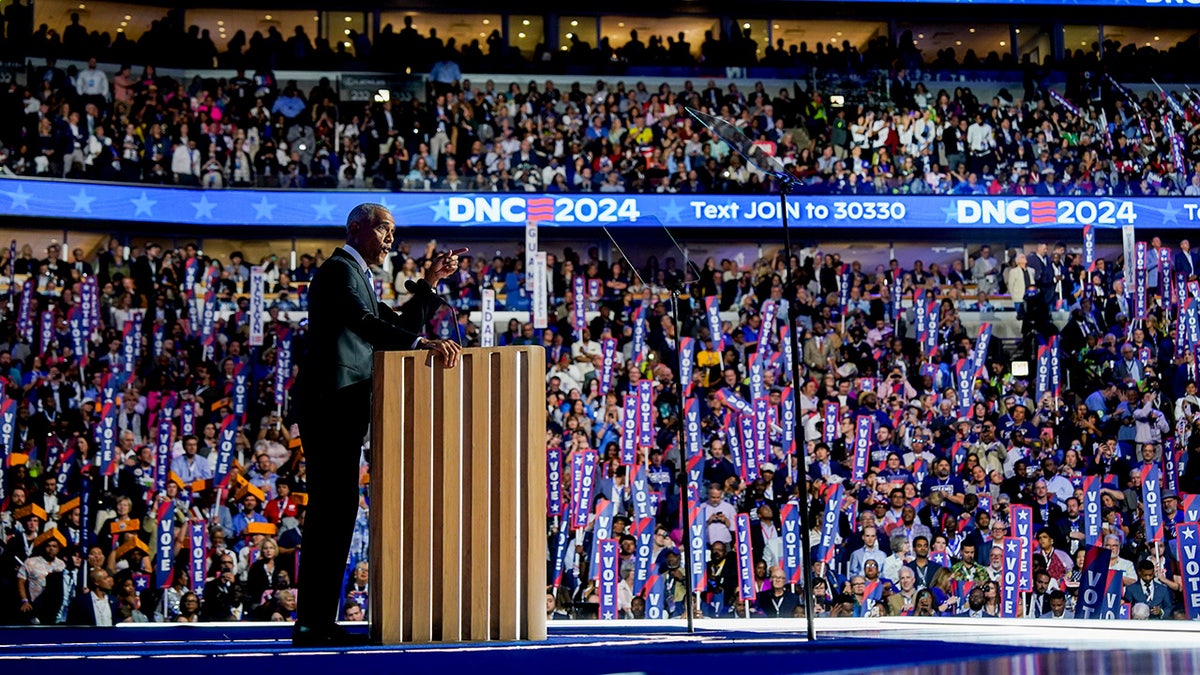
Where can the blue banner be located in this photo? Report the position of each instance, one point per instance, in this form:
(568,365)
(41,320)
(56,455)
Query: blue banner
(864,429)
(198,552)
(608,563)
(554,502)
(1092,581)
(226,444)
(302,208)
(745,559)
(1188,541)
(829,523)
(645,414)
(164,557)
(1152,503)
(1011,574)
(1091,510)
(1022,529)
(793,565)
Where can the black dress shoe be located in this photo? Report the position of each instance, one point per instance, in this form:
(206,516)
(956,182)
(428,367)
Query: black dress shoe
(332,635)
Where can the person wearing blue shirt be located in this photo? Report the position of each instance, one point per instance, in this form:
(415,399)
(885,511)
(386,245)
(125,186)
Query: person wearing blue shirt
(941,481)
(190,466)
(1100,400)
(242,519)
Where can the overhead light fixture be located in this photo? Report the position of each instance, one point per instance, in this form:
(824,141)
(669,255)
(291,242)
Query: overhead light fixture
(521,35)
(525,22)
(486,21)
(128,17)
(570,35)
(746,25)
(970,30)
(1003,43)
(620,24)
(267,17)
(348,19)
(574,23)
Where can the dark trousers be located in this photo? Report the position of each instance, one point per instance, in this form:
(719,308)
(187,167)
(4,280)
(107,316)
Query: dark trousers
(332,427)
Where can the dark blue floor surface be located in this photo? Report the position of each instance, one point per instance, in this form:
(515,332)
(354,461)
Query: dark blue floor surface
(195,650)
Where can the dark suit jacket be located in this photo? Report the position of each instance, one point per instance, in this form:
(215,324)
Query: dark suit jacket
(1161,597)
(81,612)
(765,602)
(347,324)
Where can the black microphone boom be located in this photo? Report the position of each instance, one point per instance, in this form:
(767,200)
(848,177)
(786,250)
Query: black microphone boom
(423,286)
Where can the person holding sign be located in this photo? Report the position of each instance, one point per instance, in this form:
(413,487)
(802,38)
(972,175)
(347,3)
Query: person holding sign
(347,323)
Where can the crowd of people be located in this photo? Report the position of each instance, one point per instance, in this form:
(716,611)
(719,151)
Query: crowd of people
(171,41)
(161,414)
(1093,138)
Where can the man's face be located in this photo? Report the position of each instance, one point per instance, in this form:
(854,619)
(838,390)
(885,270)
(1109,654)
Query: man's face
(921,548)
(968,553)
(1040,583)
(1058,605)
(869,537)
(1146,575)
(373,241)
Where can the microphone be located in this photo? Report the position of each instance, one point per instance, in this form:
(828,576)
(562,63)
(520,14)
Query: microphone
(422,286)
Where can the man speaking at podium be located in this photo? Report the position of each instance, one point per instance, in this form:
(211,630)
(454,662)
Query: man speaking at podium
(346,324)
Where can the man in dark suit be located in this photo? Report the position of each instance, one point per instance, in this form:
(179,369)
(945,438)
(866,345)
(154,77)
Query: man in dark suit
(1185,260)
(779,602)
(346,325)
(1150,591)
(89,608)
(145,270)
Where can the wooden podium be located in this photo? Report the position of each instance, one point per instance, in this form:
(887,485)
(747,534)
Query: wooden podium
(458,497)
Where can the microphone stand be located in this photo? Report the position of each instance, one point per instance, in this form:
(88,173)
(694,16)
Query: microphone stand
(420,287)
(786,181)
(770,165)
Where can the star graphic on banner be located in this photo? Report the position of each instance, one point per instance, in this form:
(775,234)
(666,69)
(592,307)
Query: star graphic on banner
(142,205)
(1189,533)
(671,211)
(608,615)
(324,209)
(1169,213)
(264,209)
(608,547)
(20,198)
(441,210)
(951,212)
(1012,546)
(82,202)
(204,208)
(1022,515)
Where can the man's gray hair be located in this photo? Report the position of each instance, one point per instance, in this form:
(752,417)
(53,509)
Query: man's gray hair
(367,214)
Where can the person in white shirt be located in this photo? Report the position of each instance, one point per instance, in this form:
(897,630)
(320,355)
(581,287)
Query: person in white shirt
(185,163)
(718,515)
(92,83)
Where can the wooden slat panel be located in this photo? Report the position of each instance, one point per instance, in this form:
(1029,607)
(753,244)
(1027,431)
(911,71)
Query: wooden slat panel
(509,591)
(387,534)
(421,571)
(481,496)
(448,522)
(533,506)
(472,436)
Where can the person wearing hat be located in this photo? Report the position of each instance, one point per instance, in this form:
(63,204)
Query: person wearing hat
(250,496)
(31,578)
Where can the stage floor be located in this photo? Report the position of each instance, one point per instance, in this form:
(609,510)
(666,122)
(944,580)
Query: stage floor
(590,648)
